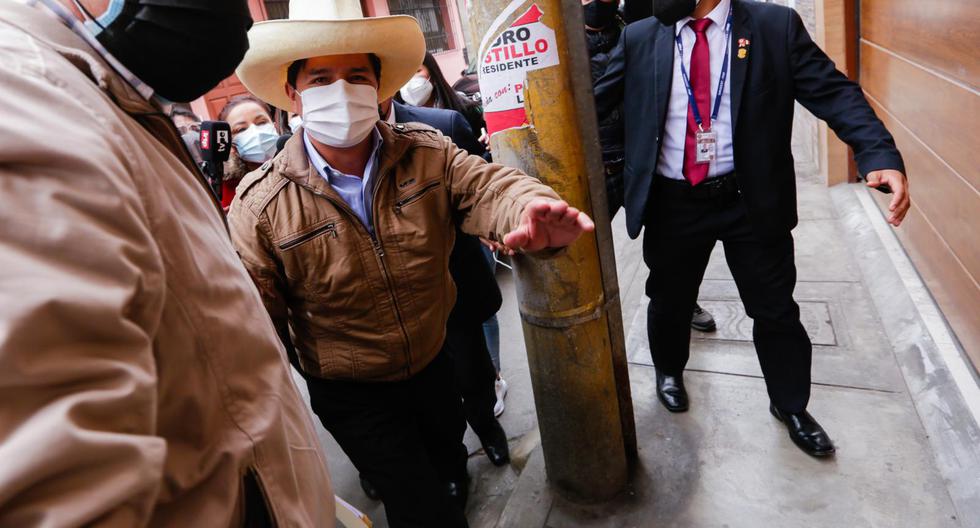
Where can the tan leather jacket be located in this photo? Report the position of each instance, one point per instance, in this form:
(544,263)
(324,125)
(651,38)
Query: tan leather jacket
(141,380)
(361,307)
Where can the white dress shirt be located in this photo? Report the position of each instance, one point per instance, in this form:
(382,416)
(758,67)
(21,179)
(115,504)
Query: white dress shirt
(671,163)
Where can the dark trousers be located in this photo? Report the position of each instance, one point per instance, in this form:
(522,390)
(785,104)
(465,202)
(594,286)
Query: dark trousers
(405,437)
(680,234)
(475,374)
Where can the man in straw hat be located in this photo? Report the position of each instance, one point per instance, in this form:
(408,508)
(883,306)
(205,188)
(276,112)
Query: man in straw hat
(347,233)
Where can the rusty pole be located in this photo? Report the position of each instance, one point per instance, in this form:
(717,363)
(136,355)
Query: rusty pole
(570,306)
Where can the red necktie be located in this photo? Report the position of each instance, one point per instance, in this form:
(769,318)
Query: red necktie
(700,74)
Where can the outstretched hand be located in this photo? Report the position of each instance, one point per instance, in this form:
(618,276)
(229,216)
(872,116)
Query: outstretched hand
(548,224)
(899,185)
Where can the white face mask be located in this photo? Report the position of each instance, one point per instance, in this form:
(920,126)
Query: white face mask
(340,114)
(295,122)
(417,91)
(257,143)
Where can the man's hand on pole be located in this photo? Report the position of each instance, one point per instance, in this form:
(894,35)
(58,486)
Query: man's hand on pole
(548,224)
(899,185)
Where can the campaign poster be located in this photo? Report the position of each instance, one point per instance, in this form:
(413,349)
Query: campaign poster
(526,45)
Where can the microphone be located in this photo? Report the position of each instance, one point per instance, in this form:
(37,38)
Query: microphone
(215,149)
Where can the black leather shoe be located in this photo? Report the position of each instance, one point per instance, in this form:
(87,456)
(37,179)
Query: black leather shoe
(702,320)
(671,392)
(369,489)
(805,432)
(459,491)
(494,441)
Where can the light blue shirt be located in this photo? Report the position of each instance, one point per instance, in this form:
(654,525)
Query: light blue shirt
(357,192)
(671,164)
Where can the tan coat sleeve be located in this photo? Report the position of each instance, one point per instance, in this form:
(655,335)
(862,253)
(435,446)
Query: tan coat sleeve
(251,235)
(81,296)
(490,197)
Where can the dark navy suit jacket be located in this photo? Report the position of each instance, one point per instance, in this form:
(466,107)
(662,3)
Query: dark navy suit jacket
(452,124)
(781,65)
(477,294)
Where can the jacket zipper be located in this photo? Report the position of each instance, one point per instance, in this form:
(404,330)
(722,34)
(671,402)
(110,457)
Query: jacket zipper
(414,196)
(379,253)
(329,228)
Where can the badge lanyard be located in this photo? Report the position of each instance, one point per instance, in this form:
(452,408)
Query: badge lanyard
(721,79)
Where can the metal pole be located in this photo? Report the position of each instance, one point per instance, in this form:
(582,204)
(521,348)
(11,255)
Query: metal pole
(570,306)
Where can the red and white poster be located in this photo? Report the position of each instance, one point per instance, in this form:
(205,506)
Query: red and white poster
(526,45)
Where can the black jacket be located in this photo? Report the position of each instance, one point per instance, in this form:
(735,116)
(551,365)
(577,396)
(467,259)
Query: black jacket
(477,294)
(781,65)
(600,45)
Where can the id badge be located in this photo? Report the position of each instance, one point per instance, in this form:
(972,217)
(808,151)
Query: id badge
(707,142)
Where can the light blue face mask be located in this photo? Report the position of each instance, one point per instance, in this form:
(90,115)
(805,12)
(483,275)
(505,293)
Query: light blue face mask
(257,143)
(110,15)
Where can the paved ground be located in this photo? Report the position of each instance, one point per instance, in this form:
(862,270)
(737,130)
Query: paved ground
(908,450)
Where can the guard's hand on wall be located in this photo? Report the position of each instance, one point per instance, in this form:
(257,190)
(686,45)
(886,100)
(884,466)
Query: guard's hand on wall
(548,224)
(899,185)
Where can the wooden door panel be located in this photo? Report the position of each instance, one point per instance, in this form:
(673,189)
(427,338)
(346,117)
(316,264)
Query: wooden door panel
(939,34)
(950,204)
(919,67)
(940,112)
(954,288)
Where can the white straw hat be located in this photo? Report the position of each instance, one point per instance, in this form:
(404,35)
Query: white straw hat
(316,28)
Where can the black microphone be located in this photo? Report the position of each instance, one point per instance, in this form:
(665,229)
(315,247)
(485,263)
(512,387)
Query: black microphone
(215,150)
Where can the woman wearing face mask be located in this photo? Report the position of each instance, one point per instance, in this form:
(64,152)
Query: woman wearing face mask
(429,88)
(253,138)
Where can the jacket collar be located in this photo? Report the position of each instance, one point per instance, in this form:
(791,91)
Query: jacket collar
(294,162)
(81,29)
(47,26)
(42,24)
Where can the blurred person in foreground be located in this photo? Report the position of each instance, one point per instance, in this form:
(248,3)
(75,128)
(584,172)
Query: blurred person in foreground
(253,139)
(347,232)
(142,382)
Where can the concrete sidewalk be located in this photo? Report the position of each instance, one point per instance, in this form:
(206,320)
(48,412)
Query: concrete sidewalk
(908,446)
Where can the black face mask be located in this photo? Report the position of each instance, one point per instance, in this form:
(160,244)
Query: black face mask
(669,12)
(599,14)
(181,48)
